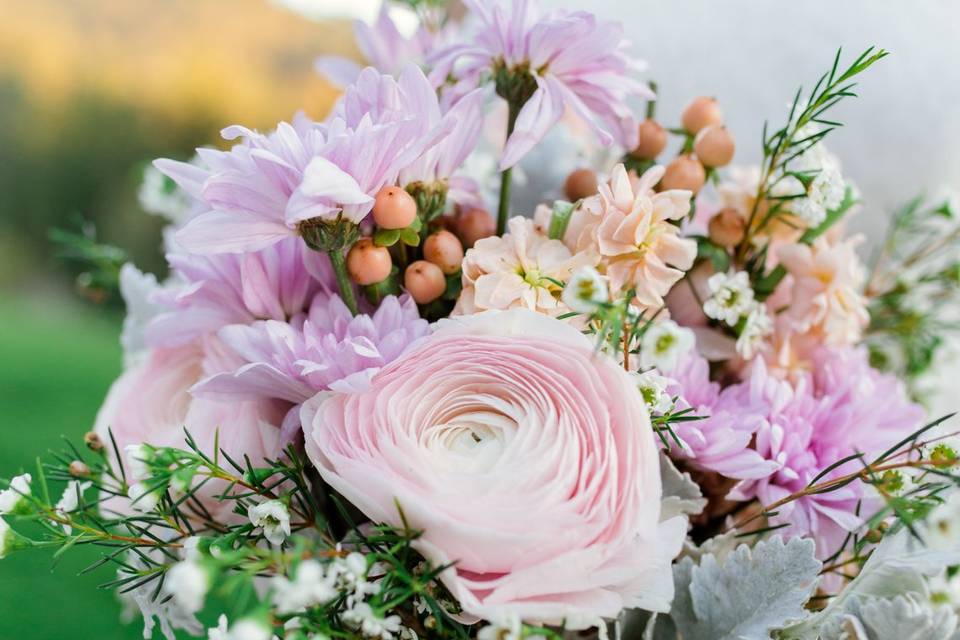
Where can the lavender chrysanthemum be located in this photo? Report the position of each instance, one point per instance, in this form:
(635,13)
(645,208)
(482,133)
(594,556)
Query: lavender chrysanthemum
(327,348)
(721,440)
(845,407)
(567,59)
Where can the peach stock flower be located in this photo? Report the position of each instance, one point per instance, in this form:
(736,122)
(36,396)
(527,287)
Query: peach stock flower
(826,290)
(524,457)
(639,247)
(523,269)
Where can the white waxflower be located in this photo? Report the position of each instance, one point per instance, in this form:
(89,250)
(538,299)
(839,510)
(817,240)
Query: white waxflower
(312,585)
(510,627)
(585,290)
(653,388)
(249,629)
(139,457)
(945,590)
(188,583)
(70,500)
(731,297)
(758,326)
(220,631)
(141,498)
(826,187)
(15,494)
(361,616)
(943,525)
(663,343)
(273,517)
(6,538)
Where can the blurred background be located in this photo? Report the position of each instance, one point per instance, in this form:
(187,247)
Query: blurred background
(91,90)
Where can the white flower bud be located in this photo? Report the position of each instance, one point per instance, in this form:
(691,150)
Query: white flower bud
(188,583)
(6,538)
(141,499)
(13,497)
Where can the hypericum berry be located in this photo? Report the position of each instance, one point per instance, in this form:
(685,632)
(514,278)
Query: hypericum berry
(367,263)
(581,183)
(424,281)
(652,140)
(727,227)
(394,208)
(701,112)
(474,225)
(714,146)
(444,250)
(684,172)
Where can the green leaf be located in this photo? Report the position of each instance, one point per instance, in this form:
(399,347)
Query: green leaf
(560,219)
(717,255)
(410,237)
(386,237)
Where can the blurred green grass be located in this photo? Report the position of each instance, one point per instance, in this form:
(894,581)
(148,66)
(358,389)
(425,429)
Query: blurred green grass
(57,364)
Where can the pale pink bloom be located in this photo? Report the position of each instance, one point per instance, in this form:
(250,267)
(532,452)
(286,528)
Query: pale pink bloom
(639,247)
(327,348)
(576,60)
(844,407)
(526,458)
(151,403)
(826,289)
(522,268)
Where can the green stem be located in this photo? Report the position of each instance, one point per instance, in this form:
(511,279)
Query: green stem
(503,212)
(343,280)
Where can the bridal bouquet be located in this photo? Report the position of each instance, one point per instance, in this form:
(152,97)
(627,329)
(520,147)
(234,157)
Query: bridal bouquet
(373,399)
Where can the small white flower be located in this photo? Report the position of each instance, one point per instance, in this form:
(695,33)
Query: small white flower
(160,195)
(12,497)
(70,500)
(585,290)
(218,632)
(139,457)
(363,617)
(945,590)
(663,343)
(142,499)
(6,538)
(758,326)
(510,627)
(731,297)
(188,583)
(653,388)
(271,516)
(249,629)
(311,586)
(943,525)
(826,187)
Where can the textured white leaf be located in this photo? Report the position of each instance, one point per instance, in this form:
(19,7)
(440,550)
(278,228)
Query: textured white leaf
(896,567)
(906,617)
(753,592)
(681,495)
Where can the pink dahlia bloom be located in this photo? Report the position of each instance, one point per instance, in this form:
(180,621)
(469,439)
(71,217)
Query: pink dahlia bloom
(721,440)
(843,408)
(326,348)
(576,60)
(551,443)
(206,293)
(151,403)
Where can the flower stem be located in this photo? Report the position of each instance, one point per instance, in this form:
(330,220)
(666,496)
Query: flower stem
(343,280)
(503,211)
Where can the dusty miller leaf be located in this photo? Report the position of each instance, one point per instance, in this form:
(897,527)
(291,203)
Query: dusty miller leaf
(897,566)
(681,495)
(906,617)
(753,592)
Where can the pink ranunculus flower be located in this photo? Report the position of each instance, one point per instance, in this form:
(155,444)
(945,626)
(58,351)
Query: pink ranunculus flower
(524,457)
(151,403)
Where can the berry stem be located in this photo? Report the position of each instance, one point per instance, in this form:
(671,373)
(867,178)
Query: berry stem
(343,280)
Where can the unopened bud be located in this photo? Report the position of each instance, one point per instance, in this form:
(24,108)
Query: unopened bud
(581,183)
(93,441)
(651,141)
(701,112)
(727,227)
(367,263)
(714,146)
(684,172)
(79,469)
